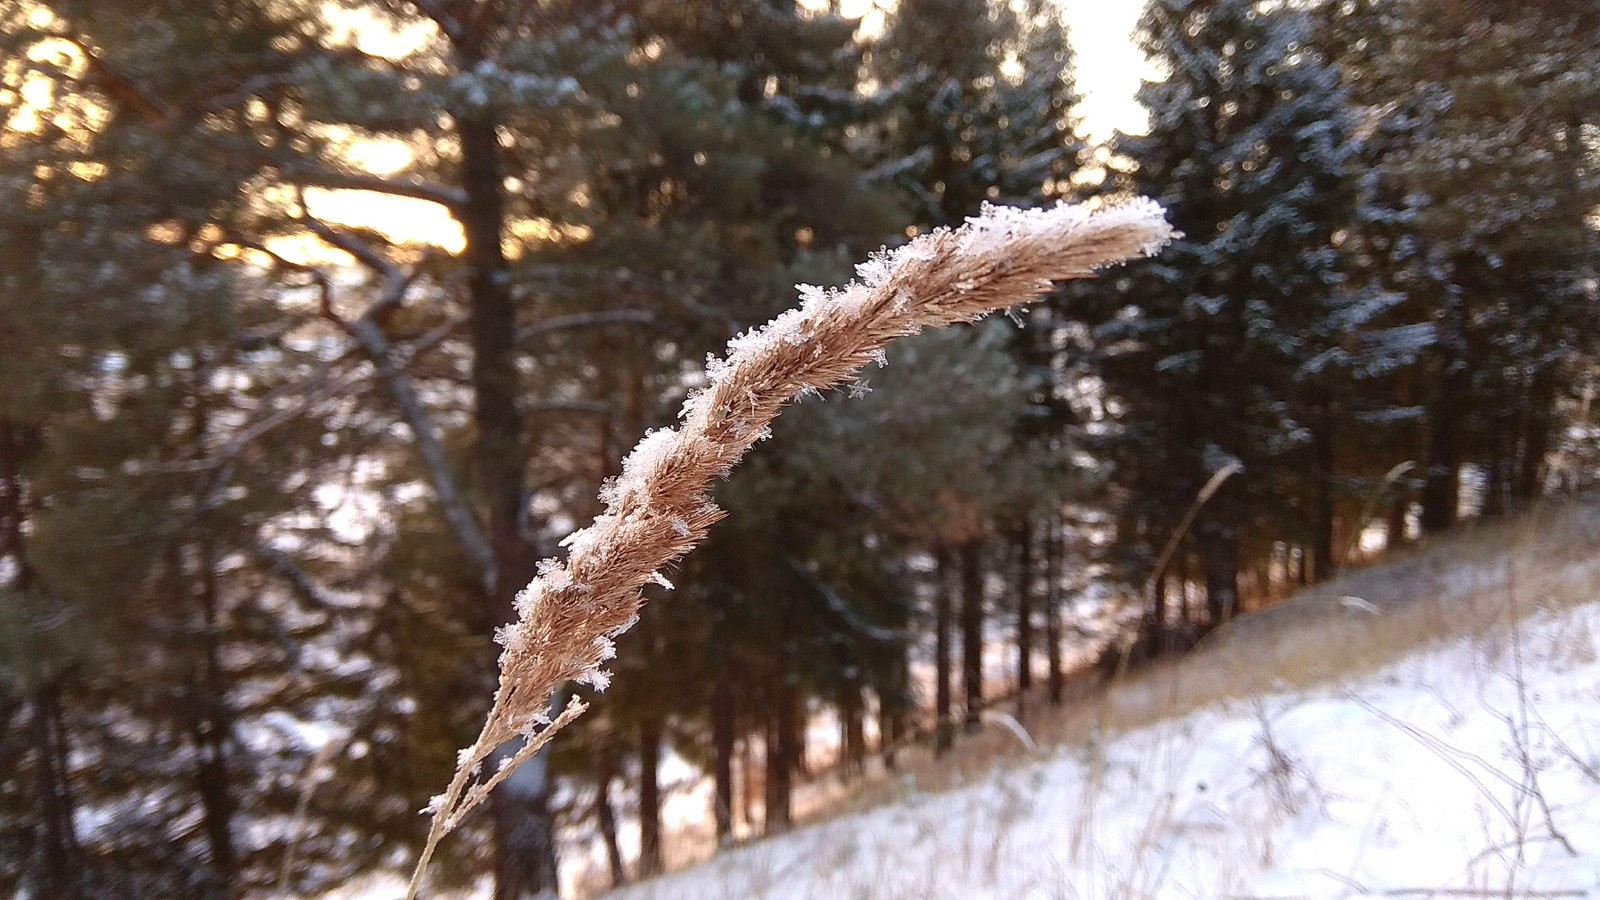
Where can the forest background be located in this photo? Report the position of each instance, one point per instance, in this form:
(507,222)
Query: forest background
(270,473)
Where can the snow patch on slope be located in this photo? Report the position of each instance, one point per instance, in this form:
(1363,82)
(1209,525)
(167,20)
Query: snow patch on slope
(1471,766)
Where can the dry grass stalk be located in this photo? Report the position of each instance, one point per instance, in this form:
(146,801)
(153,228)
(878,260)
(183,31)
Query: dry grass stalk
(660,506)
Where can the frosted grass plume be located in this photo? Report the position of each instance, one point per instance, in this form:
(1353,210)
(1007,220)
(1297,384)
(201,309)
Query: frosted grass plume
(660,507)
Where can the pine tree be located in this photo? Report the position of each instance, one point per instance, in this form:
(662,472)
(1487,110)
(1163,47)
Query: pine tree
(1210,355)
(980,102)
(168,420)
(980,110)
(1482,183)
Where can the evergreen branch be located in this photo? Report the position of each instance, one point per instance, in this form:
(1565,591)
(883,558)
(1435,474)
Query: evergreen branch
(660,506)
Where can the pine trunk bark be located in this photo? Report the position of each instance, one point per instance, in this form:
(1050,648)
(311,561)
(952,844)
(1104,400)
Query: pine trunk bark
(852,731)
(892,703)
(1193,604)
(525,857)
(1441,479)
(524,830)
(1324,507)
(1540,423)
(722,739)
(1399,511)
(782,750)
(649,798)
(942,616)
(1440,486)
(1052,610)
(972,633)
(1219,554)
(1025,584)
(212,730)
(1507,433)
(606,816)
(59,851)
(209,720)
(746,796)
(60,854)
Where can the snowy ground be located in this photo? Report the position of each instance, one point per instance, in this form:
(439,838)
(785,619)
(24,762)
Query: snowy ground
(1470,768)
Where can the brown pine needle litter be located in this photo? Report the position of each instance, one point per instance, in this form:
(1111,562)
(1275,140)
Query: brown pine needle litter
(660,507)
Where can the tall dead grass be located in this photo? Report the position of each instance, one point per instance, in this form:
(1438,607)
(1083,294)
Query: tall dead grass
(660,506)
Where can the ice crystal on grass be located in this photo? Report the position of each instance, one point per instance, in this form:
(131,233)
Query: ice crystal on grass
(877,269)
(597,678)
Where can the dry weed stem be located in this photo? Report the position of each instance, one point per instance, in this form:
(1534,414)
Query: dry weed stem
(660,507)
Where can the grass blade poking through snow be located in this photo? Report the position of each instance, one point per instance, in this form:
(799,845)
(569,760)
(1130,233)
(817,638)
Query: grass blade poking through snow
(660,506)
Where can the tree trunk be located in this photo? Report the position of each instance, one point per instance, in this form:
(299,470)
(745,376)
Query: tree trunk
(524,849)
(209,722)
(1440,486)
(1540,421)
(852,731)
(649,798)
(1441,479)
(972,633)
(941,652)
(1024,616)
(492,324)
(60,852)
(782,750)
(1394,536)
(1193,604)
(722,748)
(1498,478)
(1219,554)
(747,791)
(1052,609)
(211,732)
(1155,614)
(524,830)
(893,700)
(606,816)
(1323,506)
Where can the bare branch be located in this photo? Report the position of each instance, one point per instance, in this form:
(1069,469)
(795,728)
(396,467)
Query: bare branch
(586,320)
(305,587)
(308,172)
(578,406)
(425,434)
(320,176)
(127,93)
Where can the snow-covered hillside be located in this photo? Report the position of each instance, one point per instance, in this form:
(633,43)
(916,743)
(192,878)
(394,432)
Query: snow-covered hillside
(1468,765)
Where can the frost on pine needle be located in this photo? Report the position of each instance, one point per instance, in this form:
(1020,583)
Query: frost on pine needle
(660,506)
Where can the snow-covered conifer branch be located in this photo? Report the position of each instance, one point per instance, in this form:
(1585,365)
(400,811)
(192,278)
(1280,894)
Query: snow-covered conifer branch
(660,506)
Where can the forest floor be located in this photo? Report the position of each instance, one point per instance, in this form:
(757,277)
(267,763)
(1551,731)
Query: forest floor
(1426,726)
